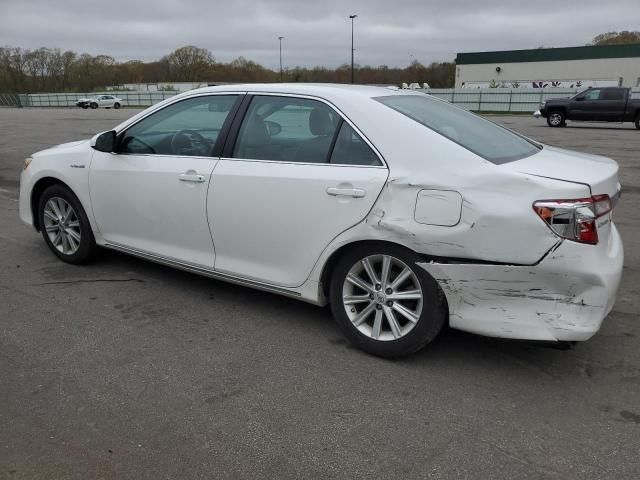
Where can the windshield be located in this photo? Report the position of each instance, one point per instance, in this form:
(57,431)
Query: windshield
(484,138)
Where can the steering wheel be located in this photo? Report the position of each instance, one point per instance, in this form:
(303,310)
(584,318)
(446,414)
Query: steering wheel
(189,142)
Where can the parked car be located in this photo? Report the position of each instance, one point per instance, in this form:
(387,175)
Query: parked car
(401,211)
(607,104)
(106,101)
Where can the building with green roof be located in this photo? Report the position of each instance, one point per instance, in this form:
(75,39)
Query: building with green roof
(600,65)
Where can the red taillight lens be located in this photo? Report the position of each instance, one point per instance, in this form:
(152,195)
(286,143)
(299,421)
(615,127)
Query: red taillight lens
(574,219)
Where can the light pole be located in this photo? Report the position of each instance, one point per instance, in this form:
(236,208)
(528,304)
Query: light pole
(352,17)
(280,38)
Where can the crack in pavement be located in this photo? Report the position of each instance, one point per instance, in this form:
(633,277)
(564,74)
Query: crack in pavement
(94,280)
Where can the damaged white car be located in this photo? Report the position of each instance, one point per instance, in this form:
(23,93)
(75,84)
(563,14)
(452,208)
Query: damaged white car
(401,211)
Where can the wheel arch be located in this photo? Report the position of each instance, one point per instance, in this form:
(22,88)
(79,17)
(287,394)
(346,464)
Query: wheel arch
(560,108)
(329,266)
(38,188)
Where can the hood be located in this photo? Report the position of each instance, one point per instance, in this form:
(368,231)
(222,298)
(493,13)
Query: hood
(599,173)
(556,101)
(78,144)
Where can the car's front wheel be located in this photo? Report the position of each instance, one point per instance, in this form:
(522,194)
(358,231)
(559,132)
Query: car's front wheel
(556,118)
(116,105)
(64,225)
(94,105)
(637,122)
(384,303)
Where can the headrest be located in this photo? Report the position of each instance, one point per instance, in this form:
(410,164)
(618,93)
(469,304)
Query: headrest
(320,122)
(256,133)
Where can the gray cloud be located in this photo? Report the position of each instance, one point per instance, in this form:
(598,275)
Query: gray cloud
(317,33)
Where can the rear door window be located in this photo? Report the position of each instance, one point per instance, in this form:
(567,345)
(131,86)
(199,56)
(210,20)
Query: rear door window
(351,149)
(613,94)
(287,129)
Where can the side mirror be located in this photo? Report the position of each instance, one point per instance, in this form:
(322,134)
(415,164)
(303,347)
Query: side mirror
(274,128)
(104,142)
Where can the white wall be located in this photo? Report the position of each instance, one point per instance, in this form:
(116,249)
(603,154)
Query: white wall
(595,69)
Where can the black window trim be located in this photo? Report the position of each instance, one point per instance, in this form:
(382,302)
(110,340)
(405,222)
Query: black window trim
(216,151)
(232,137)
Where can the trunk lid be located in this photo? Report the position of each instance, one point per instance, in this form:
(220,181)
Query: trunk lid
(600,174)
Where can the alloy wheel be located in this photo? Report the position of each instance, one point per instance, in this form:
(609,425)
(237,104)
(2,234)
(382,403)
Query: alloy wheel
(62,225)
(555,119)
(382,297)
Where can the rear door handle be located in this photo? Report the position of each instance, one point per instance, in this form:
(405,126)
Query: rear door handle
(346,192)
(191,177)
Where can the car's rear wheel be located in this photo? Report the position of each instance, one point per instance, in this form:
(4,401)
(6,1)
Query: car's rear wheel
(94,105)
(637,122)
(556,118)
(64,225)
(384,303)
(85,107)
(116,105)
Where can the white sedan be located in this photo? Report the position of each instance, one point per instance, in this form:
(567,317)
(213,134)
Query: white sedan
(401,211)
(106,101)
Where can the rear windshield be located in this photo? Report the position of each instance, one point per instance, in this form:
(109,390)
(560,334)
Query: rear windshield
(484,138)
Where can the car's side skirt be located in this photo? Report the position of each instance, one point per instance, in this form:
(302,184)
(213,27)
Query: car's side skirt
(204,271)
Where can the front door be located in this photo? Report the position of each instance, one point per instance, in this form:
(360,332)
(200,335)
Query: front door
(297,176)
(151,194)
(585,106)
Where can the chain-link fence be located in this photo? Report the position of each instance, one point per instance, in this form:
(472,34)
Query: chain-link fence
(508,100)
(128,99)
(12,100)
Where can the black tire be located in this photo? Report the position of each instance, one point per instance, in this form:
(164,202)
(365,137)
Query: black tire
(84,107)
(116,105)
(556,118)
(430,321)
(637,122)
(94,105)
(87,247)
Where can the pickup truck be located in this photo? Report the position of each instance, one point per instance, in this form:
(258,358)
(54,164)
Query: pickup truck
(605,104)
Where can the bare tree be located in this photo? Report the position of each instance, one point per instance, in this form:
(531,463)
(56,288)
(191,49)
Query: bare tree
(190,63)
(616,38)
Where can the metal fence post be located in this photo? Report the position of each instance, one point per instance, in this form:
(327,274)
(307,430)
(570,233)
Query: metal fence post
(510,98)
(480,101)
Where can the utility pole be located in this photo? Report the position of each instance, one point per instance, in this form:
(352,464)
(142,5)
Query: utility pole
(352,17)
(280,38)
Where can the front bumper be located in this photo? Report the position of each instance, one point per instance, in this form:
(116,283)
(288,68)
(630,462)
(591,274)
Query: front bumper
(565,297)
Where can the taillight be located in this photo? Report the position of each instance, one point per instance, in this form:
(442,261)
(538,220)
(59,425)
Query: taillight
(574,219)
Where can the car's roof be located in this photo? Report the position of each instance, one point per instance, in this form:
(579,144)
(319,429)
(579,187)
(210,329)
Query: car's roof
(324,90)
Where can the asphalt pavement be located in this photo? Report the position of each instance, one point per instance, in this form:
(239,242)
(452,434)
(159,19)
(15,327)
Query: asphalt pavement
(127,369)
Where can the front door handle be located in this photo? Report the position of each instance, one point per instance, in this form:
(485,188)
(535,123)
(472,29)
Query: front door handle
(346,192)
(191,177)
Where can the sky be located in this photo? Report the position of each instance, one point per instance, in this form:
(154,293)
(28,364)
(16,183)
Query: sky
(316,32)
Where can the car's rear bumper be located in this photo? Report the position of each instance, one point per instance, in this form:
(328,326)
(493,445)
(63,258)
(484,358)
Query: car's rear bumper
(563,298)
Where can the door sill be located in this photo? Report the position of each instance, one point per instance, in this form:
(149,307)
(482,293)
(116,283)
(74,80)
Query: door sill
(171,262)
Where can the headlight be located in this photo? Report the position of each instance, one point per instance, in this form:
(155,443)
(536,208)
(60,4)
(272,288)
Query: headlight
(27,162)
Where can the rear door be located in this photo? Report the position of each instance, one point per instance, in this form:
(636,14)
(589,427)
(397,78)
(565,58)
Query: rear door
(612,102)
(293,176)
